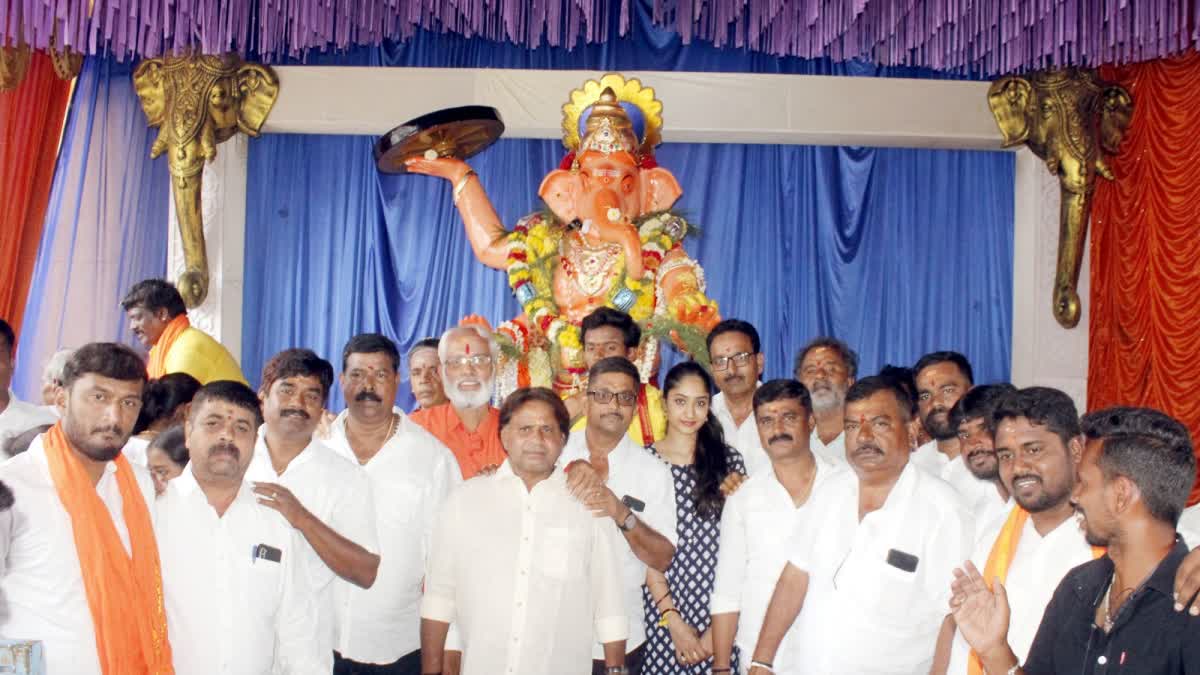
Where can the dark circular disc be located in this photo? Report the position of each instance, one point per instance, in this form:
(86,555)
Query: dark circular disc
(453,132)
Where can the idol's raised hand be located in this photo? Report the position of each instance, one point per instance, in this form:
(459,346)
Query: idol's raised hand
(981,613)
(442,167)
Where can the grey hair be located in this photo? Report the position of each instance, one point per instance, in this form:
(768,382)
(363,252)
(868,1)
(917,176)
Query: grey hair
(493,346)
(53,372)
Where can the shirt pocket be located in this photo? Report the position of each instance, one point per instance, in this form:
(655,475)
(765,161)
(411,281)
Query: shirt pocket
(890,593)
(561,557)
(767,534)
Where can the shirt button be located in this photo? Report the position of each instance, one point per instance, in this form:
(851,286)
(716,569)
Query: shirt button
(1102,660)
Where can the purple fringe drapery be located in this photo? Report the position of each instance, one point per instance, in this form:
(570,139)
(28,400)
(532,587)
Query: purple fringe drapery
(985,37)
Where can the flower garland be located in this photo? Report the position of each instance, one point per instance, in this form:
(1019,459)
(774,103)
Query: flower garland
(533,249)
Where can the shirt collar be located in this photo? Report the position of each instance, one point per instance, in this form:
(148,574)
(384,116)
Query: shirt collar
(185,483)
(263,454)
(1163,577)
(1094,578)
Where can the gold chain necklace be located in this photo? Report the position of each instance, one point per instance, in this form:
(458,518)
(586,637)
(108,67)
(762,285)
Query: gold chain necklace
(391,431)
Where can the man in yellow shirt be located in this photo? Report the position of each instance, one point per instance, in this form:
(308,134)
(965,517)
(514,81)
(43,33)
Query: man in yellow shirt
(158,319)
(610,332)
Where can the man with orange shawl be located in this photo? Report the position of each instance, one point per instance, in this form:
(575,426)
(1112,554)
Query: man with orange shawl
(158,319)
(81,565)
(1038,444)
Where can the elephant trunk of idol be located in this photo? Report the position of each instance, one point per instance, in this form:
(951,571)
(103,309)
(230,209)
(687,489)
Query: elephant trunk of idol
(193,282)
(1074,212)
(618,231)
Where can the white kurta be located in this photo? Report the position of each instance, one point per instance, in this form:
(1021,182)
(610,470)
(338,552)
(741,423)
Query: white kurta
(19,417)
(410,477)
(834,453)
(530,577)
(338,493)
(755,528)
(1038,566)
(633,472)
(862,614)
(42,583)
(230,612)
(743,438)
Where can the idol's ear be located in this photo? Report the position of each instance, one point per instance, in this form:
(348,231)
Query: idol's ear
(659,189)
(561,190)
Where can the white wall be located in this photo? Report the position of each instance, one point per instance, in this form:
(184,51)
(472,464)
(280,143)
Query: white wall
(1044,353)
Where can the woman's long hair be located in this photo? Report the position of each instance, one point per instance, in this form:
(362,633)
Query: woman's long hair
(712,453)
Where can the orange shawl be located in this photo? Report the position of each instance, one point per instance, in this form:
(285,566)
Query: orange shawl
(999,560)
(125,596)
(158,353)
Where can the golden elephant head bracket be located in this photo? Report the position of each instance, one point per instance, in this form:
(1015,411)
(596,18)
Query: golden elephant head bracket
(14,61)
(198,101)
(1070,119)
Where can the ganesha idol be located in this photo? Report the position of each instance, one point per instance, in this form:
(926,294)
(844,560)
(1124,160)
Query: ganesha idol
(608,239)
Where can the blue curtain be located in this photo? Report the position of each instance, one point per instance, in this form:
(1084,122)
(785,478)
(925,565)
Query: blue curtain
(105,225)
(896,251)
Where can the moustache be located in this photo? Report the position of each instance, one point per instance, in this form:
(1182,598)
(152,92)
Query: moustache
(868,448)
(368,396)
(115,430)
(780,437)
(822,384)
(979,451)
(225,448)
(295,412)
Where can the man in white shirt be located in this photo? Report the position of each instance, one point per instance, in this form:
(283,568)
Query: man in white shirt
(636,491)
(16,416)
(46,594)
(870,562)
(237,593)
(975,473)
(528,574)
(753,549)
(410,474)
(827,367)
(1038,443)
(324,496)
(737,363)
(941,379)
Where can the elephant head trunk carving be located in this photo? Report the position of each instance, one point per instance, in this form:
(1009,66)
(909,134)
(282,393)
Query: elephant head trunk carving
(198,101)
(1068,118)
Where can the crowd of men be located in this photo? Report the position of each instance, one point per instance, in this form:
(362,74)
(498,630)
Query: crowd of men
(159,515)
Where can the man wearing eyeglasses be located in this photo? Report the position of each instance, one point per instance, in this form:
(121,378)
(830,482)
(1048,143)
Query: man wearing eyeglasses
(633,488)
(377,630)
(737,363)
(468,424)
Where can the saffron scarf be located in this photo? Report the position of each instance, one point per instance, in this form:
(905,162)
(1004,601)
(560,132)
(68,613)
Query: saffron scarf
(1000,559)
(124,594)
(158,353)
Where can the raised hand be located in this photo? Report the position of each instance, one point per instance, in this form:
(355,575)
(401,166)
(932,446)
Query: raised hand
(443,167)
(981,613)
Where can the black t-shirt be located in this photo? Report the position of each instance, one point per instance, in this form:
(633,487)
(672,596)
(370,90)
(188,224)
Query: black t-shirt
(1148,635)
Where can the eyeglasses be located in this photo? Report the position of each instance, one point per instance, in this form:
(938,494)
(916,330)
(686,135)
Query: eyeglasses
(379,376)
(739,359)
(478,361)
(625,398)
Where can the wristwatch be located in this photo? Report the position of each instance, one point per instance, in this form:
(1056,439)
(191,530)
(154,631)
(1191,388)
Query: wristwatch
(629,523)
(616,670)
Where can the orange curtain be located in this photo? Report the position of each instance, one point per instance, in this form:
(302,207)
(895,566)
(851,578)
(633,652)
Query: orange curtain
(31,119)
(1144,339)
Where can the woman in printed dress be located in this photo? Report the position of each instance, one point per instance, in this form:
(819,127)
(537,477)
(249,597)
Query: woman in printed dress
(677,616)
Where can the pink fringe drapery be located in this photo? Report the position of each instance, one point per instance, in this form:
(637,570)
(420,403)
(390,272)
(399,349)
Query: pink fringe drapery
(984,37)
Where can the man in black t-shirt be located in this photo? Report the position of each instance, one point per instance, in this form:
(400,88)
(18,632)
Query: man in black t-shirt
(1116,613)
